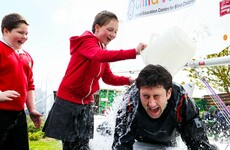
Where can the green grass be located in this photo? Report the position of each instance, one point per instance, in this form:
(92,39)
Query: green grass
(46,144)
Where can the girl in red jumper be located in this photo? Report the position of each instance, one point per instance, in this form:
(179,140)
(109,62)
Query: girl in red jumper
(71,117)
(16,84)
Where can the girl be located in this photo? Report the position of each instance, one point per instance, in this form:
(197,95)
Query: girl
(71,118)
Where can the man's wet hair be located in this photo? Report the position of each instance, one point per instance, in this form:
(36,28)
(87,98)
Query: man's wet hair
(154,75)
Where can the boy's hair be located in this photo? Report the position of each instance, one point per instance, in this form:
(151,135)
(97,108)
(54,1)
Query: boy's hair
(154,75)
(12,21)
(103,18)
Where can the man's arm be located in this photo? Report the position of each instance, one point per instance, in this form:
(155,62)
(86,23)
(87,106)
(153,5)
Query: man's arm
(191,127)
(124,133)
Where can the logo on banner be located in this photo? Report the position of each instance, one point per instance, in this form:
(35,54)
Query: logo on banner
(142,8)
(224,7)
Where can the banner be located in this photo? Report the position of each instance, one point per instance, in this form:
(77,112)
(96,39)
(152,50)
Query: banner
(143,8)
(224,7)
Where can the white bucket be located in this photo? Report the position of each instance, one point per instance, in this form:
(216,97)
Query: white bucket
(173,49)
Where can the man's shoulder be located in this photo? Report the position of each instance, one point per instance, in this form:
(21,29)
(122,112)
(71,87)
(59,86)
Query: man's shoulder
(178,89)
(177,86)
(131,98)
(132,90)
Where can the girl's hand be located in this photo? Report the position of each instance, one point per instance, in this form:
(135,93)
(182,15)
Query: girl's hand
(131,80)
(140,47)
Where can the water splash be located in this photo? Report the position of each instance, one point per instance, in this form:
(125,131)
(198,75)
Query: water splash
(104,141)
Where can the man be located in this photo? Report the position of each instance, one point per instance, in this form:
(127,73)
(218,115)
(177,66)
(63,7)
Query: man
(155,110)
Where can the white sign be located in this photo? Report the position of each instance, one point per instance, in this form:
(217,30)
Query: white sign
(143,8)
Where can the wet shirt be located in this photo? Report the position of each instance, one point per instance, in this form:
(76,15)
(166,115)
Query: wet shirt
(161,130)
(181,115)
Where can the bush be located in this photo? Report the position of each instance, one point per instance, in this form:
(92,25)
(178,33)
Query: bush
(201,103)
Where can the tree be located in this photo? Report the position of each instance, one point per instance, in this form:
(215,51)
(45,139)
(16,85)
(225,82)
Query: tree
(217,76)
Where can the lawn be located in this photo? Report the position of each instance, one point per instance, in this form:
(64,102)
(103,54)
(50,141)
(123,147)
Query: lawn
(46,144)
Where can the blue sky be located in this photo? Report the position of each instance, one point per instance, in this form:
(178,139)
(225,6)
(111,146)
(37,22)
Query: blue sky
(53,22)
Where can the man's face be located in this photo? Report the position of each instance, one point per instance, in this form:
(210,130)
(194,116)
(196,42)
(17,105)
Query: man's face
(154,100)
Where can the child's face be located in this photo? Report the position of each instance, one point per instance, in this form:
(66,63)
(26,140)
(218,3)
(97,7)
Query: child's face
(17,36)
(108,32)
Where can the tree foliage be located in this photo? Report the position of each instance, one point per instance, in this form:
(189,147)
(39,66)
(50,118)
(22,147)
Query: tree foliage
(217,76)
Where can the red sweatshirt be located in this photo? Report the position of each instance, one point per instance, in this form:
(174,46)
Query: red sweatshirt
(15,74)
(89,63)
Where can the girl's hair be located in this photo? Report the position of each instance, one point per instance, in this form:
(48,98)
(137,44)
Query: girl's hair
(103,18)
(12,21)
